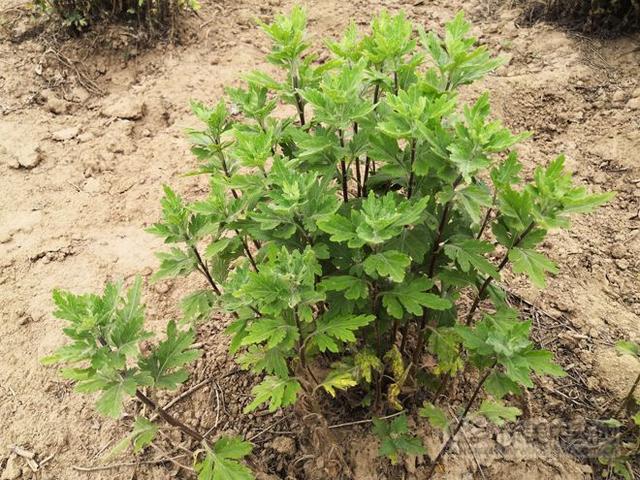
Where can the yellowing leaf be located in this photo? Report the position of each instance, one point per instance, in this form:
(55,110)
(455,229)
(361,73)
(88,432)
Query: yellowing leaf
(341,380)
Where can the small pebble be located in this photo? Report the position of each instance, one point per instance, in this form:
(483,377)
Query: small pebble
(284,445)
(622,264)
(618,97)
(504,439)
(11,471)
(618,251)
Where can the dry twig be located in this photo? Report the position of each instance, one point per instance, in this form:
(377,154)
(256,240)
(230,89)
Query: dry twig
(473,453)
(83,79)
(277,422)
(368,420)
(188,392)
(111,466)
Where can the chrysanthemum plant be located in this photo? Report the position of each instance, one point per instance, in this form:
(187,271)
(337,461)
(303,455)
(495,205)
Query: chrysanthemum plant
(359,219)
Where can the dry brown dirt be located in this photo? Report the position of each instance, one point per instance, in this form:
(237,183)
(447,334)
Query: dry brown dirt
(81,175)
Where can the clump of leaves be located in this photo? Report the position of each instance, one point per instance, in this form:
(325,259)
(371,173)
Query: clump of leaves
(395,438)
(105,356)
(340,238)
(601,17)
(152,14)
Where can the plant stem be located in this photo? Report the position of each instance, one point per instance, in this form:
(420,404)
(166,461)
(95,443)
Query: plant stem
(378,380)
(225,168)
(394,333)
(367,163)
(343,167)
(481,292)
(413,158)
(367,167)
(227,174)
(303,232)
(485,221)
(167,417)
(205,270)
(301,340)
(487,282)
(460,422)
(302,344)
(345,191)
(247,251)
(405,336)
(444,219)
(627,400)
(443,384)
(299,105)
(359,186)
(375,308)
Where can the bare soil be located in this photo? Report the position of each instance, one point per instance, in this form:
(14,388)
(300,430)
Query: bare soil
(90,128)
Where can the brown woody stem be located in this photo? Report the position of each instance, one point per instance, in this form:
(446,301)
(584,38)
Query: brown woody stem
(487,216)
(413,158)
(343,167)
(205,270)
(460,422)
(359,186)
(167,417)
(298,99)
(368,162)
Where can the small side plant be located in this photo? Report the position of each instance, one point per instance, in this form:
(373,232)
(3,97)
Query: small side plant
(105,356)
(342,238)
(79,14)
(602,17)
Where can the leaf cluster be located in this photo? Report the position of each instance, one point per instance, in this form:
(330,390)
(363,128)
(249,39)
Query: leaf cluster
(104,354)
(342,236)
(369,213)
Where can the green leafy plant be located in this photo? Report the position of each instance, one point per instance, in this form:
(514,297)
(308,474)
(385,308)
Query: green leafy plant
(395,438)
(79,14)
(221,461)
(341,238)
(596,17)
(105,356)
